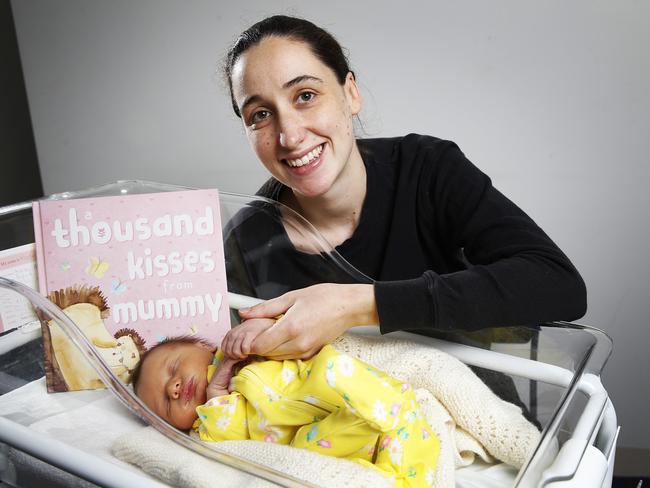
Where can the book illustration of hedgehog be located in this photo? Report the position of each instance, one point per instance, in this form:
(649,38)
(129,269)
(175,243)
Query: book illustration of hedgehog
(87,307)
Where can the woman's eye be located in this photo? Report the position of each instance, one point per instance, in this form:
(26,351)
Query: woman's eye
(259,116)
(306,97)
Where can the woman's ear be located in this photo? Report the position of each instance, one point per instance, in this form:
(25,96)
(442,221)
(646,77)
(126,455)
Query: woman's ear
(352,94)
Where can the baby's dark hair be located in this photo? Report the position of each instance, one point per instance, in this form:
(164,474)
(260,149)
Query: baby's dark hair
(135,375)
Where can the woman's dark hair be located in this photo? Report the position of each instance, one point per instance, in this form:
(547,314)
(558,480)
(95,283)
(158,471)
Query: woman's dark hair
(321,42)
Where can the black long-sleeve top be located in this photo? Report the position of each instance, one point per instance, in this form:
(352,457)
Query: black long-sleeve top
(445,248)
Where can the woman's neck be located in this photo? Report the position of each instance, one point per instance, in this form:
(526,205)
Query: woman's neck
(336,213)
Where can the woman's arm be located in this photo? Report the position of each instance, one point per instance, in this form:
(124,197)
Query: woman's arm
(515,273)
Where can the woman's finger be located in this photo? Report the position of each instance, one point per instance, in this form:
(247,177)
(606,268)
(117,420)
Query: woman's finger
(237,342)
(293,350)
(271,338)
(269,309)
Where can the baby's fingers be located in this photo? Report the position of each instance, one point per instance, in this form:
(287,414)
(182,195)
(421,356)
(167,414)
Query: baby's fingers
(245,345)
(229,343)
(236,347)
(225,343)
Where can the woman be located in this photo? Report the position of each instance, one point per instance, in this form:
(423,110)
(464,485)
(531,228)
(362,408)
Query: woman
(446,249)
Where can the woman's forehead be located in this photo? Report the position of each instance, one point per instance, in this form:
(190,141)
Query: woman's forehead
(273,63)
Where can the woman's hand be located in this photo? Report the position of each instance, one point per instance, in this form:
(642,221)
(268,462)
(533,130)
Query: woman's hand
(313,317)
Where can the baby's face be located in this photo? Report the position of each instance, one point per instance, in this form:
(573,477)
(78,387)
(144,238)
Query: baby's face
(173,381)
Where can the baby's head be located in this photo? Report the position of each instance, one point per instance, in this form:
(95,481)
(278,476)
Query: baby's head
(172,379)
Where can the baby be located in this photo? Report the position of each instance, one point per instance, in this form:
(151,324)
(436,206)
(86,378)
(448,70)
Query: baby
(332,404)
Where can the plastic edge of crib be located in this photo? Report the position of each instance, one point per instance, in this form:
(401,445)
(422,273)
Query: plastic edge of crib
(587,458)
(71,459)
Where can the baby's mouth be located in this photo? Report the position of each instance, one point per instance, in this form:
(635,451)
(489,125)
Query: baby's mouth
(307,158)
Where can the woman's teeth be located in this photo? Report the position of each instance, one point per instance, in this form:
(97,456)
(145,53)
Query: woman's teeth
(307,158)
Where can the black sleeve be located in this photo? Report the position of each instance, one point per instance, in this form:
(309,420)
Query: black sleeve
(515,274)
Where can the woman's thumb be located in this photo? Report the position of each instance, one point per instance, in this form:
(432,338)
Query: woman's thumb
(269,309)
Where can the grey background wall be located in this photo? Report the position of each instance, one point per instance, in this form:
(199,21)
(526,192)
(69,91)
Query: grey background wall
(551,99)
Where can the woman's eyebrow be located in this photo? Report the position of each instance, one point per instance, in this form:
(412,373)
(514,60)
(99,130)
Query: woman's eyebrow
(300,79)
(249,100)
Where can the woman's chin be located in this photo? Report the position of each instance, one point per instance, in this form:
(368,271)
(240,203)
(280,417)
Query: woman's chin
(311,191)
(316,186)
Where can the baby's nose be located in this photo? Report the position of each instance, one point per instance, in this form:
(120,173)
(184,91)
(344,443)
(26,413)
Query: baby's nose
(174,388)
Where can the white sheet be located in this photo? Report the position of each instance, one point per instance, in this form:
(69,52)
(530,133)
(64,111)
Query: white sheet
(87,420)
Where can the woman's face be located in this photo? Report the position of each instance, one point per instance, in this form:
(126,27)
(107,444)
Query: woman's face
(297,116)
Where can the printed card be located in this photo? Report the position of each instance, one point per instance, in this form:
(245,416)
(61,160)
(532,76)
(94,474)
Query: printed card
(18,264)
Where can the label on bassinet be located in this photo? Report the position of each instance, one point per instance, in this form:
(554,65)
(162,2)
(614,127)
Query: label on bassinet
(131,271)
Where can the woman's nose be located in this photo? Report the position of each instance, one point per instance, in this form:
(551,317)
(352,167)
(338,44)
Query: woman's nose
(174,388)
(292,132)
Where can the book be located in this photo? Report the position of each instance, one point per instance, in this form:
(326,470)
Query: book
(18,264)
(130,271)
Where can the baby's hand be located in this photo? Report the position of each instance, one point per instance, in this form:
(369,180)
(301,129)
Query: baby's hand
(220,381)
(238,340)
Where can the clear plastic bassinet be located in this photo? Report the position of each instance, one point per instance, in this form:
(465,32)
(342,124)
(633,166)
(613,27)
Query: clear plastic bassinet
(552,370)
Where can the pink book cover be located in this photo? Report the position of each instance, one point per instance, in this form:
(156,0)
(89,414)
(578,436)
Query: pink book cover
(131,271)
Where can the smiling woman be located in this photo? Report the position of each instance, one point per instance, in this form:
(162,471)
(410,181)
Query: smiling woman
(445,250)
(298,118)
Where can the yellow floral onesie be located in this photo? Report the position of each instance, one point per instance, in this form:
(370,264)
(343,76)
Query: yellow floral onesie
(332,404)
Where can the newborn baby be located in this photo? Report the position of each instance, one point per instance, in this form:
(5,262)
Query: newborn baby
(332,404)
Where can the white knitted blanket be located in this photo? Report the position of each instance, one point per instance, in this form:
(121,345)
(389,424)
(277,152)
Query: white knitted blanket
(468,418)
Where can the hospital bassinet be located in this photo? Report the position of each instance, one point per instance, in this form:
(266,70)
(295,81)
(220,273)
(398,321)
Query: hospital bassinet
(553,369)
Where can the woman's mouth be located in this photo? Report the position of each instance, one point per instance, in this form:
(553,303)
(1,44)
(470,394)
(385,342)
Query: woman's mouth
(306,162)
